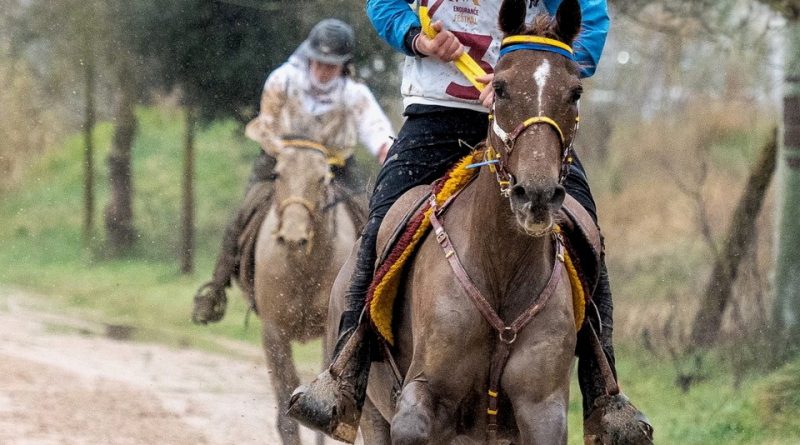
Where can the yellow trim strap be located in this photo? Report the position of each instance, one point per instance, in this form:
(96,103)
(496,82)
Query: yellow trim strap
(464,63)
(544,120)
(330,155)
(539,40)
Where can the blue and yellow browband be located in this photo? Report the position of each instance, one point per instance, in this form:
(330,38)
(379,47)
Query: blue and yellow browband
(516,43)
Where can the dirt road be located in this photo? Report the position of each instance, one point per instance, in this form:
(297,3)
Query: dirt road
(63,384)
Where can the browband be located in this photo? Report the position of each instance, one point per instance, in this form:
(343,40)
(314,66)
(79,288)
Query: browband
(519,42)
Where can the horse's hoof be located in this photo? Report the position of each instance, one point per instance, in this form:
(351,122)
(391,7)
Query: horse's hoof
(210,303)
(323,406)
(616,421)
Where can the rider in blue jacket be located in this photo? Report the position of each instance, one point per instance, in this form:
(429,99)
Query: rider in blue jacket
(443,110)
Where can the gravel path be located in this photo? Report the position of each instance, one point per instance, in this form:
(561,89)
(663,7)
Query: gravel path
(63,384)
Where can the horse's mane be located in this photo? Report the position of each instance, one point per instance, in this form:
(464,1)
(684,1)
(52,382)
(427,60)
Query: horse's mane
(543,25)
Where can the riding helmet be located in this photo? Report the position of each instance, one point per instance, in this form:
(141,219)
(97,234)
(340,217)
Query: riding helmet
(330,41)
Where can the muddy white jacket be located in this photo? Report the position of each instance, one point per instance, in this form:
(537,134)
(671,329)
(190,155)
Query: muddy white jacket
(339,115)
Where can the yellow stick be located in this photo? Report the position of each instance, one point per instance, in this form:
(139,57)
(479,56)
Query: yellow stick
(464,63)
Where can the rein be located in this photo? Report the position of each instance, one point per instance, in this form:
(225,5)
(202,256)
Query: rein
(505,178)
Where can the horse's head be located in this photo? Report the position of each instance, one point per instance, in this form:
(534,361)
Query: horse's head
(302,176)
(535,115)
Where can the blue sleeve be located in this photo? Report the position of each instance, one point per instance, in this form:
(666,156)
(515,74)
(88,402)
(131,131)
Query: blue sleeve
(594,28)
(392,19)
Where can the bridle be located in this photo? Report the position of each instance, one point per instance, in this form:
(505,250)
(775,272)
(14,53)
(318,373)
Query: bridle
(505,178)
(310,207)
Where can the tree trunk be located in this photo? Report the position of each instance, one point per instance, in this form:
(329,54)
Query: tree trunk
(740,235)
(88,148)
(187,213)
(787,275)
(120,231)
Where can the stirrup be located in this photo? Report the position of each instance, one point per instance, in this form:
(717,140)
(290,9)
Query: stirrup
(614,420)
(210,303)
(332,402)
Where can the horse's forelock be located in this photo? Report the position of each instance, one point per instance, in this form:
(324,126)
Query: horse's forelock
(543,25)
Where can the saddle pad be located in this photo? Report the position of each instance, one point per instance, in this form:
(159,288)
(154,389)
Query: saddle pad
(383,290)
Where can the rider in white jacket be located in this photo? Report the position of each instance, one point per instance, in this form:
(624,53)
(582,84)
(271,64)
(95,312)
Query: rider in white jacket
(313,97)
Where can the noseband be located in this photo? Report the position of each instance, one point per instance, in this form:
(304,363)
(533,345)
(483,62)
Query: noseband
(505,178)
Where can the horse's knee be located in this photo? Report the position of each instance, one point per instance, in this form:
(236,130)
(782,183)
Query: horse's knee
(413,422)
(544,422)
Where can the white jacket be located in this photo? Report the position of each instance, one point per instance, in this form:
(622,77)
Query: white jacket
(339,117)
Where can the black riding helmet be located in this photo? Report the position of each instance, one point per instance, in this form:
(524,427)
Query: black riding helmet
(330,41)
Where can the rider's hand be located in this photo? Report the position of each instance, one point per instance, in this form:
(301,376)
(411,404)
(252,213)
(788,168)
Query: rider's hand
(445,46)
(487,93)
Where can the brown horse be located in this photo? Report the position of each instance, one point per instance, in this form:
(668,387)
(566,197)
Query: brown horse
(443,343)
(301,245)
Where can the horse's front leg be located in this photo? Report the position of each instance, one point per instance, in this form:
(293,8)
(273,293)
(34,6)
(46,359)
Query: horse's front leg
(374,428)
(413,422)
(284,377)
(542,423)
(420,420)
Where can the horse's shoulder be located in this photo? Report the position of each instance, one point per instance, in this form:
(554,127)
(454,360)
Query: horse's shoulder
(400,212)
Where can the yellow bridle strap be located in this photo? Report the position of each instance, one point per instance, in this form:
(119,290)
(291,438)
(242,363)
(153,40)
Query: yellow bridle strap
(331,157)
(464,63)
(535,39)
(545,120)
(310,206)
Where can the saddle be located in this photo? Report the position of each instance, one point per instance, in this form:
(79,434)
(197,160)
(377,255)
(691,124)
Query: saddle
(399,232)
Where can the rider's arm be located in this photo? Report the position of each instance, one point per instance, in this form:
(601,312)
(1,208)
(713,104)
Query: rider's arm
(265,127)
(395,22)
(374,129)
(594,28)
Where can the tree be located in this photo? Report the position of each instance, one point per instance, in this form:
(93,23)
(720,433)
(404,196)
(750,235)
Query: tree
(218,55)
(787,274)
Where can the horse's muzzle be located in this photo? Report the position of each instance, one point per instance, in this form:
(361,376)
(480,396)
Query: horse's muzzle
(534,207)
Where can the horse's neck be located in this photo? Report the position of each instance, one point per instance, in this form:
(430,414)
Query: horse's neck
(510,260)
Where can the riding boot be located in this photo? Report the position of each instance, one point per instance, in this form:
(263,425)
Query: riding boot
(609,417)
(210,300)
(332,402)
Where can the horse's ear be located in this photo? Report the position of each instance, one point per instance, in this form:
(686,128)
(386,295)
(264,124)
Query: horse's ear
(568,20)
(512,17)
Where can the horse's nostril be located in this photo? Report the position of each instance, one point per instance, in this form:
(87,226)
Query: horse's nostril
(302,242)
(518,193)
(280,239)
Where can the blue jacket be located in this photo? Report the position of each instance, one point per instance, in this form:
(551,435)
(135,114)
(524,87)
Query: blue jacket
(393,18)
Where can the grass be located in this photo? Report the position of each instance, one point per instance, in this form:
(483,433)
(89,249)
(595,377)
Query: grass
(42,251)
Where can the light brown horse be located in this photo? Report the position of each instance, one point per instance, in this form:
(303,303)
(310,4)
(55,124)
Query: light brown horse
(301,245)
(443,343)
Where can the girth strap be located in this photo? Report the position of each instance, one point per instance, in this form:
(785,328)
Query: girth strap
(507,334)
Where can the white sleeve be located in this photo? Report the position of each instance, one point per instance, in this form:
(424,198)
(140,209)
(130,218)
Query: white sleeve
(265,128)
(374,128)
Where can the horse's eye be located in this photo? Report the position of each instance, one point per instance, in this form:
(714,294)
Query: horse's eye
(500,90)
(575,95)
